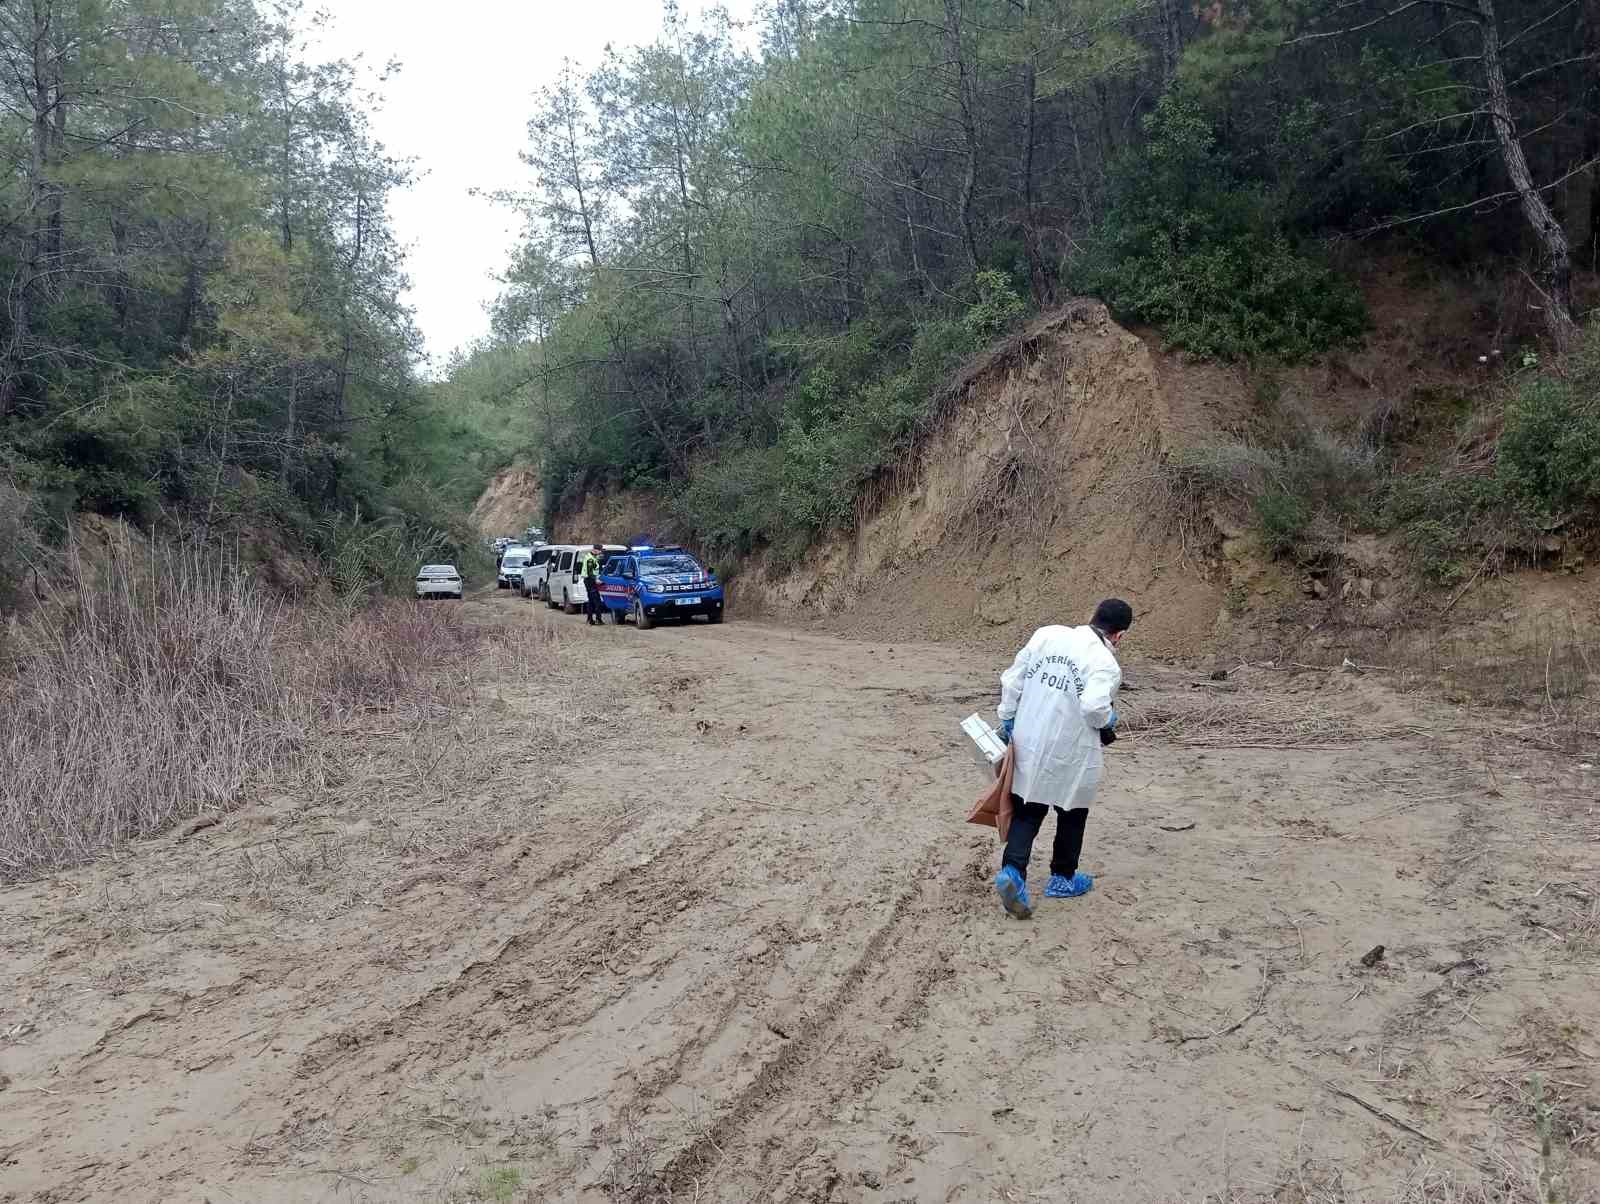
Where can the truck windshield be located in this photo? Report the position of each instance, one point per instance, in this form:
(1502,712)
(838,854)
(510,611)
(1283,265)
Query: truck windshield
(662,566)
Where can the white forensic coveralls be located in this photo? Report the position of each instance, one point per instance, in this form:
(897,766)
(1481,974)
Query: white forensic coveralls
(1060,690)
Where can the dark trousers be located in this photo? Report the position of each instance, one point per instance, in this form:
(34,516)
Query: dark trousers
(1027,819)
(593,606)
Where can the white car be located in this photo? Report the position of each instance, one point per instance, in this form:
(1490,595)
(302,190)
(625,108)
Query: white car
(438,581)
(563,580)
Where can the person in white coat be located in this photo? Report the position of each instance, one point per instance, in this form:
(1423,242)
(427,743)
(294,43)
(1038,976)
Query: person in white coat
(1058,709)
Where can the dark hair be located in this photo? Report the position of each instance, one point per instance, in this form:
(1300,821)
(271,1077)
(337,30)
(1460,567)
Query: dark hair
(1112,615)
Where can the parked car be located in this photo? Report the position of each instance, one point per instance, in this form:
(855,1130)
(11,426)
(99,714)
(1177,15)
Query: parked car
(563,579)
(534,537)
(438,581)
(512,561)
(533,571)
(651,584)
(547,581)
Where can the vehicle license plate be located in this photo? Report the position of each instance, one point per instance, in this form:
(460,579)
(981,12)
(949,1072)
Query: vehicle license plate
(687,601)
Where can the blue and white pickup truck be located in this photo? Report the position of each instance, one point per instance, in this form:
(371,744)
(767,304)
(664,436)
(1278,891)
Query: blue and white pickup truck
(651,584)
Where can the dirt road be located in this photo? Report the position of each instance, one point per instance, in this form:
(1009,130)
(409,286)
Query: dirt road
(718,932)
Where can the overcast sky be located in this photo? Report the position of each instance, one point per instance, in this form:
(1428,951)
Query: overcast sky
(460,106)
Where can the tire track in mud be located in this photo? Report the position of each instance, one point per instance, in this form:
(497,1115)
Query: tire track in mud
(824,1061)
(529,982)
(581,935)
(530,926)
(573,970)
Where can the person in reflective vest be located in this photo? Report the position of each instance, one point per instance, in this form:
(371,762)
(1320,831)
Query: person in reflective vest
(593,608)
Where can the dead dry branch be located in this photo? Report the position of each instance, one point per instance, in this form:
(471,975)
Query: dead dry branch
(1270,722)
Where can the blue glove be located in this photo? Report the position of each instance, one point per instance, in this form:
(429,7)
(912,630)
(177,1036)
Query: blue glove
(1005,730)
(1111,724)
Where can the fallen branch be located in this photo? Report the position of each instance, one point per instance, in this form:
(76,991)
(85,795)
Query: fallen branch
(1261,999)
(753,802)
(1382,1114)
(1450,605)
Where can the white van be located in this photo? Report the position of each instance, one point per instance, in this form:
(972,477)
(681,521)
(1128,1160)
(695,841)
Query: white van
(563,585)
(512,561)
(547,581)
(533,572)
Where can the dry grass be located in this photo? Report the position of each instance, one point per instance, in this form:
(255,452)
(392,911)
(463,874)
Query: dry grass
(1315,1180)
(174,686)
(629,1173)
(1542,673)
(1209,721)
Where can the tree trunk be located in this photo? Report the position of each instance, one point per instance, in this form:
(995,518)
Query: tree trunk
(55,235)
(33,271)
(1108,138)
(343,383)
(289,424)
(1085,187)
(1030,225)
(680,167)
(969,125)
(192,282)
(848,288)
(121,285)
(1170,15)
(286,165)
(1591,150)
(1554,250)
(1591,130)
(577,186)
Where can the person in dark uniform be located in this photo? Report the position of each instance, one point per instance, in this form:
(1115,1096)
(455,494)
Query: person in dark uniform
(594,610)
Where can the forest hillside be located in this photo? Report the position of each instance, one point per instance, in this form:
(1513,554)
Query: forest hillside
(203,327)
(749,274)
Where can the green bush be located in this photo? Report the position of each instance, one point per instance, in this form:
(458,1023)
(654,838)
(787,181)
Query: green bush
(1300,495)
(841,426)
(998,308)
(1549,452)
(1446,521)
(733,503)
(23,546)
(364,557)
(1190,248)
(1546,469)
(1282,519)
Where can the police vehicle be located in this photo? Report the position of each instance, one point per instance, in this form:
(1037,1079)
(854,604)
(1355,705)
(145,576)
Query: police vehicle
(652,584)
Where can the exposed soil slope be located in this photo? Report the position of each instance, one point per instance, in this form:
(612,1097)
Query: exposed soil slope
(748,952)
(1031,499)
(1042,483)
(513,499)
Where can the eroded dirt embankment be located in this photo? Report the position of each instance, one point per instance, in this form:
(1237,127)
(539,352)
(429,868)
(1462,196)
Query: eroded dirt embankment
(513,499)
(1044,482)
(744,948)
(1034,495)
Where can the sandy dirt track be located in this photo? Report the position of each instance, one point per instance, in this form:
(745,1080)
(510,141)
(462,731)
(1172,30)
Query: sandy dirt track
(748,951)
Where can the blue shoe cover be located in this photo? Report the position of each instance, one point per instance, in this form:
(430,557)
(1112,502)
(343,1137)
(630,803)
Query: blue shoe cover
(1063,887)
(1013,892)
